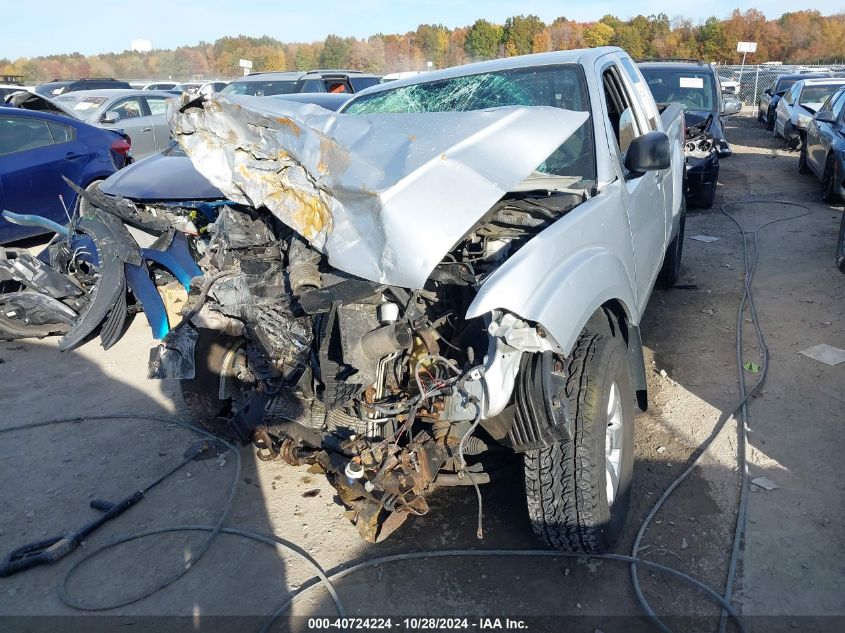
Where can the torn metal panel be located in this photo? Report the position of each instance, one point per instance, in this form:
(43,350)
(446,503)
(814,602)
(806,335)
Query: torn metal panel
(115,247)
(384,196)
(18,265)
(174,358)
(30,314)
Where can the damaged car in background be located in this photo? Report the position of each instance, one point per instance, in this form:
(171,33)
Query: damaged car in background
(695,86)
(449,271)
(163,207)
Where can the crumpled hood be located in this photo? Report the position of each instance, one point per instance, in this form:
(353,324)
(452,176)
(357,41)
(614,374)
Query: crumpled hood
(384,196)
(698,122)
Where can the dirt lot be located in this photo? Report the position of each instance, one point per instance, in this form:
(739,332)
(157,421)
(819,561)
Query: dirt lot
(791,566)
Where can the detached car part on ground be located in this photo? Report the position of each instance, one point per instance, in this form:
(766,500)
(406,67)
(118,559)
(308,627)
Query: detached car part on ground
(695,86)
(92,276)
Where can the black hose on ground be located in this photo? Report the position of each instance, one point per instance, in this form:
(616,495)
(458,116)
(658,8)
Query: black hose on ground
(740,406)
(326,580)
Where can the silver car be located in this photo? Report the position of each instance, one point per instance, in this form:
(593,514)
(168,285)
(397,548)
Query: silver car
(140,113)
(797,107)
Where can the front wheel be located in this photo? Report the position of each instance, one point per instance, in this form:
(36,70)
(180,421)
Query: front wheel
(578,490)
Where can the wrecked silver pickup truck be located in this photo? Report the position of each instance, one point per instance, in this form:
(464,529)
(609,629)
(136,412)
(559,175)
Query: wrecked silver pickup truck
(449,271)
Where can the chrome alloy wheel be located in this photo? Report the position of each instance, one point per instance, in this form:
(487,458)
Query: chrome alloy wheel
(613,440)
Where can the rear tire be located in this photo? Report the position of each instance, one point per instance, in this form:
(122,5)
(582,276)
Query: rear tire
(566,485)
(829,181)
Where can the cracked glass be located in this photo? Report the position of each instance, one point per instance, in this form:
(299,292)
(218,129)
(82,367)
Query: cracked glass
(560,86)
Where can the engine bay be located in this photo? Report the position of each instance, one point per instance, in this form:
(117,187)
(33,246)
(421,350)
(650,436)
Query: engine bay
(381,387)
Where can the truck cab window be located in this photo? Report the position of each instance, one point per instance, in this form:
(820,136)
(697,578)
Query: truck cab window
(619,110)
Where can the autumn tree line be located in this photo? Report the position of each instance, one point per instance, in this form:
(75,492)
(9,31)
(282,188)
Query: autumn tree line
(796,37)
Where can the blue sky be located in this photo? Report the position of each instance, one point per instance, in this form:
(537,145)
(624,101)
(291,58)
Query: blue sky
(42,27)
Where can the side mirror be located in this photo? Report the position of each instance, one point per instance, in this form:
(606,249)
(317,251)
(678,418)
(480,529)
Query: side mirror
(112,116)
(731,106)
(825,116)
(648,152)
(768,91)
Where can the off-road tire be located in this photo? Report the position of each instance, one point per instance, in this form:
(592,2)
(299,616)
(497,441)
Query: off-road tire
(670,271)
(201,393)
(565,483)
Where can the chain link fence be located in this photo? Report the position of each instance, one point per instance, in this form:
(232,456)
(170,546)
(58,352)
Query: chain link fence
(749,81)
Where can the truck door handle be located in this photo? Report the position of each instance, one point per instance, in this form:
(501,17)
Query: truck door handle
(72,155)
(147,129)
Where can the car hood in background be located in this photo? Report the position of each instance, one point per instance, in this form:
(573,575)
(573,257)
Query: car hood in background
(384,196)
(27,100)
(169,175)
(813,106)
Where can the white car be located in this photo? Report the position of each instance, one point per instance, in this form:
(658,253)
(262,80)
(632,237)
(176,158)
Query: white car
(796,108)
(161,85)
(7,89)
(212,86)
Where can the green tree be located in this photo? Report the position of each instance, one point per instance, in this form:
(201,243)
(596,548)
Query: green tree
(711,39)
(630,40)
(433,41)
(519,33)
(483,39)
(597,34)
(612,21)
(335,52)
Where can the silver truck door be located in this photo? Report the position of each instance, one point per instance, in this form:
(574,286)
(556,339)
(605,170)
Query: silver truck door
(643,196)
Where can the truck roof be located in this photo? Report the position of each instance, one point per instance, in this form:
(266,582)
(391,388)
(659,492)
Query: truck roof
(684,65)
(582,56)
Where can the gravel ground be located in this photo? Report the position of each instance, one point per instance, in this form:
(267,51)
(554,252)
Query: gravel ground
(791,566)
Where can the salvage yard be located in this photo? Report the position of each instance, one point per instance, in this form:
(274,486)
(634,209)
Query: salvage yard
(793,555)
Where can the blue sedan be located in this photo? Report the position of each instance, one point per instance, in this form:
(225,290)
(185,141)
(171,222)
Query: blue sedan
(36,150)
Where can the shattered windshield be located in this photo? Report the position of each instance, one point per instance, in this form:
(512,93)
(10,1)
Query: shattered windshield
(261,88)
(561,86)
